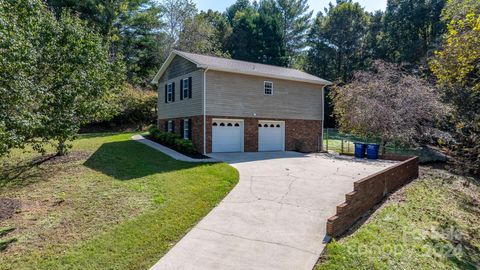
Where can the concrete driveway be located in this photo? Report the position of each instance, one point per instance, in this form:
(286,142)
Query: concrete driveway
(275,217)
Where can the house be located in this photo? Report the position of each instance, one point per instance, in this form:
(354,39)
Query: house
(226,105)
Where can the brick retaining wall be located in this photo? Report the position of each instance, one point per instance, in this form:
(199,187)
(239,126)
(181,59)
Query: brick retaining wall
(369,191)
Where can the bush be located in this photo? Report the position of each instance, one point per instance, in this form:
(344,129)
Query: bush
(135,108)
(185,146)
(172,140)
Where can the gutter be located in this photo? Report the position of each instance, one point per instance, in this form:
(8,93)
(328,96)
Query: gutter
(205,111)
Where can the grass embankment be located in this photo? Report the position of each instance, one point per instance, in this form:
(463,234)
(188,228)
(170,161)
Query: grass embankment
(433,223)
(111,204)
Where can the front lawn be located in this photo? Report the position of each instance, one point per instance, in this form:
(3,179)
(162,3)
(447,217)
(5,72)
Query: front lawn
(433,223)
(112,203)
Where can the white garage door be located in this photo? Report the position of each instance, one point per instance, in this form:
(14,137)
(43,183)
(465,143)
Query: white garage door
(227,135)
(271,136)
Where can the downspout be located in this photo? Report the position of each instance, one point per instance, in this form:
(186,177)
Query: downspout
(323,118)
(205,111)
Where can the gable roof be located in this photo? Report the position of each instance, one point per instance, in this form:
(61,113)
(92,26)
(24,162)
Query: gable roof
(241,67)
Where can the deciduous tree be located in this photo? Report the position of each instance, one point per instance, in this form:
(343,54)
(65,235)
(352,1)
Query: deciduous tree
(21,28)
(199,36)
(78,78)
(457,68)
(387,103)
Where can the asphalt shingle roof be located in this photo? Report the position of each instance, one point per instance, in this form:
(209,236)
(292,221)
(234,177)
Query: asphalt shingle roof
(243,67)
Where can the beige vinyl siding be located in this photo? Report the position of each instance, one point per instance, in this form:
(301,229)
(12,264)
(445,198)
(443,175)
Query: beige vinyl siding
(186,107)
(230,94)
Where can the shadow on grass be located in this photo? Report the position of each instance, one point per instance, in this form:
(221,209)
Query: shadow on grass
(126,160)
(22,173)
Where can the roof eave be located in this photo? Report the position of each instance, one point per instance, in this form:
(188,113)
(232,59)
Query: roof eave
(167,63)
(175,53)
(258,74)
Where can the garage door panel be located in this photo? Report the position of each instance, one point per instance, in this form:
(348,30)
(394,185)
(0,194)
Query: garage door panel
(227,136)
(271,136)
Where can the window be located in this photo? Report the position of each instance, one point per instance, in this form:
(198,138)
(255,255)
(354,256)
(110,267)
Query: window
(186,129)
(170,126)
(185,88)
(170,92)
(268,87)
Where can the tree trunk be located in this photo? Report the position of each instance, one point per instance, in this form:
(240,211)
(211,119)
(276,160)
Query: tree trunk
(383,144)
(61,148)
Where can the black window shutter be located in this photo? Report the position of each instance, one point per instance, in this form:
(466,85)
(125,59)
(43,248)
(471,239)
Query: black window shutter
(190,129)
(181,89)
(166,126)
(173,91)
(166,95)
(173,126)
(189,87)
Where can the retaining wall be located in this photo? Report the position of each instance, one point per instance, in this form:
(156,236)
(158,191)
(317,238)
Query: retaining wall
(369,191)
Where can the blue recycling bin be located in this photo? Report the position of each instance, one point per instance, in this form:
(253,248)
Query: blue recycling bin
(372,150)
(360,150)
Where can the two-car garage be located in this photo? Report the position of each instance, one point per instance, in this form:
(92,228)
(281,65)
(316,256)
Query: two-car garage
(228,135)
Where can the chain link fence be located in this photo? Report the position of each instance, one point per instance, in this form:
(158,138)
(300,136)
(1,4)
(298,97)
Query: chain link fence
(343,143)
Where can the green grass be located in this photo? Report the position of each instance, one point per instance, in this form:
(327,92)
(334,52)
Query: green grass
(112,204)
(434,223)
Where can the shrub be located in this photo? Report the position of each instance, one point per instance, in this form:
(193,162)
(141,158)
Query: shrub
(137,106)
(185,146)
(172,140)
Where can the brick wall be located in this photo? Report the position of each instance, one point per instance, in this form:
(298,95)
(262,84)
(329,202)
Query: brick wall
(369,191)
(197,129)
(300,135)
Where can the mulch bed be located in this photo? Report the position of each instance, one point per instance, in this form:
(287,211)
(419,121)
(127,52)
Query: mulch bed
(8,207)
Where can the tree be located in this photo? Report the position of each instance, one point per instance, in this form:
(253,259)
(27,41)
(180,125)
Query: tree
(270,35)
(100,14)
(338,40)
(239,5)
(142,41)
(412,29)
(78,79)
(320,60)
(21,24)
(457,69)
(243,44)
(221,26)
(176,13)
(198,36)
(257,34)
(295,23)
(387,103)
(133,28)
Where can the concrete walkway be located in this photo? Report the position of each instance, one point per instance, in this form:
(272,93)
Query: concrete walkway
(275,217)
(169,152)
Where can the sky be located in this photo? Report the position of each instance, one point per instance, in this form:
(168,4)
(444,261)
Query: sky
(316,5)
